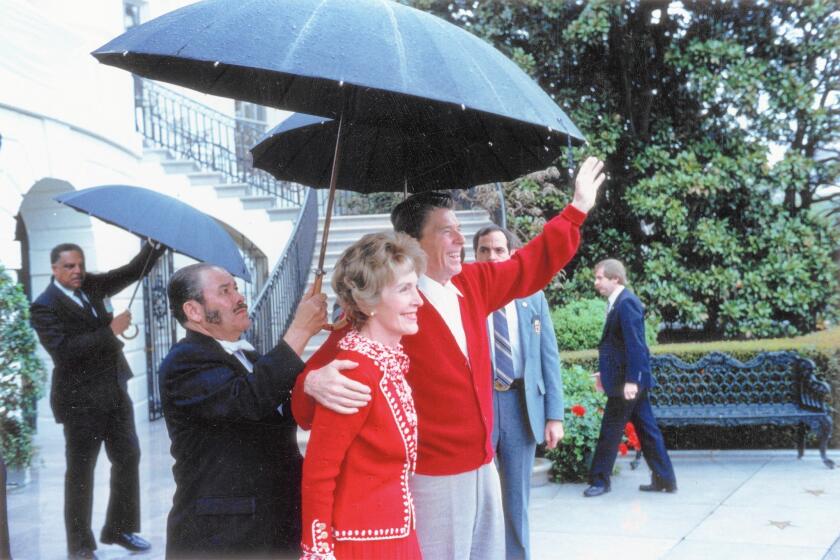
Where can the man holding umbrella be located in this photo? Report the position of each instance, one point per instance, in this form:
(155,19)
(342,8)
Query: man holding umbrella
(456,489)
(89,393)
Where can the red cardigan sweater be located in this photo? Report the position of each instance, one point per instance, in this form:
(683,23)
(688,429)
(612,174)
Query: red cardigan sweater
(356,471)
(454,396)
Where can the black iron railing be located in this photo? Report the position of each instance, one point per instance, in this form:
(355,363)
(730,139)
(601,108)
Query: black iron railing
(274,308)
(214,140)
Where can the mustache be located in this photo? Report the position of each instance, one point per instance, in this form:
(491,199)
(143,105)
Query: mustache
(241,306)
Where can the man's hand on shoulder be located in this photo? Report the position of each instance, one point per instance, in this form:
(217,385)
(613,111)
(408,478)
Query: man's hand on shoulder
(589,179)
(335,391)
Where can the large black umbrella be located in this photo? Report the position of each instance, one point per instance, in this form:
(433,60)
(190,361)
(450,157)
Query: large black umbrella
(375,61)
(371,62)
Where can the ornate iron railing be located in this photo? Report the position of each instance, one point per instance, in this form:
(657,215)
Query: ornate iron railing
(214,140)
(272,312)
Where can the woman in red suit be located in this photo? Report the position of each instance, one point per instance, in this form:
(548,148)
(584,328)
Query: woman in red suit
(356,501)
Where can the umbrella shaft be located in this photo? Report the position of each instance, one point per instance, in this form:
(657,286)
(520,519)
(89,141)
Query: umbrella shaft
(331,197)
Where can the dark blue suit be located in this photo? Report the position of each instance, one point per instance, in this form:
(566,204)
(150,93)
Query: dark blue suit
(623,357)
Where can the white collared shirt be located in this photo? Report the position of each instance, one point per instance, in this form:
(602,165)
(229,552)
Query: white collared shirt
(444,298)
(69,293)
(613,297)
(235,349)
(513,333)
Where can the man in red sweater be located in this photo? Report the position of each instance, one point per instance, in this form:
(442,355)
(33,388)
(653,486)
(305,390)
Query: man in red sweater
(456,488)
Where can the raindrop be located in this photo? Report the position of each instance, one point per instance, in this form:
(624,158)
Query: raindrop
(550,129)
(341,83)
(463,108)
(545,148)
(215,64)
(490,144)
(125,53)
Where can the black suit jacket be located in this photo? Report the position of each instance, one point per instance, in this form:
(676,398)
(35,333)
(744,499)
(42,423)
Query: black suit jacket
(90,367)
(623,355)
(237,466)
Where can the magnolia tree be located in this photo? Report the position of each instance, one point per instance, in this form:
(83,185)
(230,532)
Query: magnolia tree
(719,123)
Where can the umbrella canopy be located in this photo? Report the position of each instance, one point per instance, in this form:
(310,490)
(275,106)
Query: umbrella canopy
(375,61)
(382,159)
(161,218)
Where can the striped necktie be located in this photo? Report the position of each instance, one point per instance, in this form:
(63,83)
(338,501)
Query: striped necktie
(503,371)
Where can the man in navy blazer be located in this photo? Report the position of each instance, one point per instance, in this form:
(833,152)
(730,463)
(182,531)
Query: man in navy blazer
(529,410)
(624,361)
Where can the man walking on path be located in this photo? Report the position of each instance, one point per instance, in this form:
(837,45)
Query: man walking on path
(528,390)
(624,361)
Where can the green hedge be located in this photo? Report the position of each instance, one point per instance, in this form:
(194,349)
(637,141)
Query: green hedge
(580,322)
(822,347)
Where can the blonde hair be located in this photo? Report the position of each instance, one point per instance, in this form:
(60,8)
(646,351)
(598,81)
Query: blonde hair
(612,269)
(368,266)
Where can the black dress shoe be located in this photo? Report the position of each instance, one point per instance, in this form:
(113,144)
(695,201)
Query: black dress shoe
(130,541)
(594,491)
(658,486)
(82,554)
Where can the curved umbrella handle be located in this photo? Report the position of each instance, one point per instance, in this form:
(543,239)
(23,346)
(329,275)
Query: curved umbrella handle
(131,336)
(316,289)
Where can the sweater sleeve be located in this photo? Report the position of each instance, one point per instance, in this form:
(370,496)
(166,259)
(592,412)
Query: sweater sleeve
(303,406)
(332,435)
(530,268)
(208,387)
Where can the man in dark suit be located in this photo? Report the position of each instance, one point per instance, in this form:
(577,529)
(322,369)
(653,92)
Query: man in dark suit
(624,361)
(227,408)
(89,393)
(528,390)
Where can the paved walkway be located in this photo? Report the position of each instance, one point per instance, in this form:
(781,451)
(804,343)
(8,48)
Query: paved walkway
(738,505)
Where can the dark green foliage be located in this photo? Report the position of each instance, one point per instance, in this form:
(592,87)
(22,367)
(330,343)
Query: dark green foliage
(21,374)
(719,123)
(572,457)
(580,323)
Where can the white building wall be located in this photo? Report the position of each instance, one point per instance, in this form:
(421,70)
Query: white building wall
(67,122)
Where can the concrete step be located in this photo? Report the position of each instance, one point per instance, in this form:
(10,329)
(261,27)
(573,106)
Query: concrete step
(283,214)
(157,154)
(258,202)
(203,178)
(180,166)
(232,190)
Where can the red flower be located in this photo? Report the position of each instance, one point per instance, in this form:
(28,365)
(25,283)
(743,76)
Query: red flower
(578,410)
(622,449)
(632,437)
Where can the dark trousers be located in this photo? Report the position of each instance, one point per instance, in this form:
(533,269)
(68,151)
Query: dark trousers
(616,415)
(85,430)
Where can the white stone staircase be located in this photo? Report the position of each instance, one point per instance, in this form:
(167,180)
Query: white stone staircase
(255,215)
(345,230)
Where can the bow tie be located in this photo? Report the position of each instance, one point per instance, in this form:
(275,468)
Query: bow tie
(233,347)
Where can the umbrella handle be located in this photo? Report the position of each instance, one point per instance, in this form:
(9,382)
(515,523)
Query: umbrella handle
(131,336)
(316,289)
